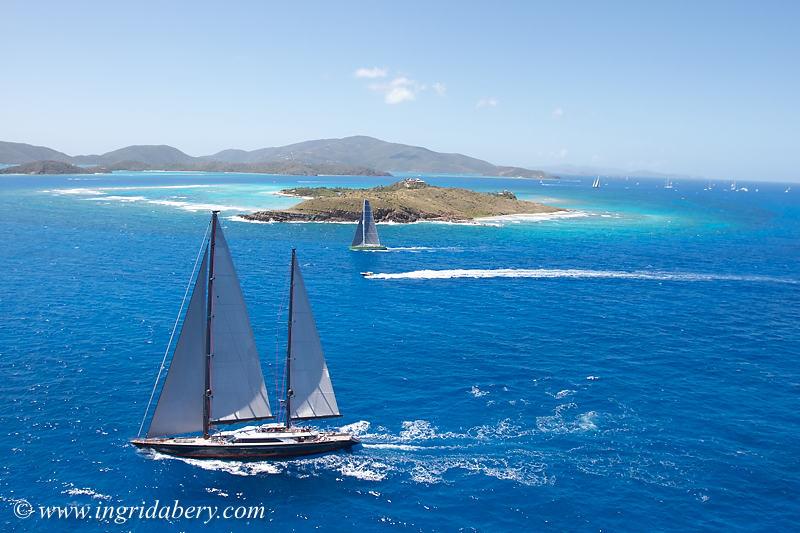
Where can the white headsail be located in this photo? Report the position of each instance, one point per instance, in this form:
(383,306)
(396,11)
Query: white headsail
(237,383)
(309,380)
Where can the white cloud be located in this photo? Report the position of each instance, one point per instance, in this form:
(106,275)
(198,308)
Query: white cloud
(487,102)
(371,73)
(558,113)
(397,95)
(398,90)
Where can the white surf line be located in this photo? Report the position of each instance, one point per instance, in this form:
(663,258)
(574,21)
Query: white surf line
(185,206)
(533,217)
(546,273)
(102,190)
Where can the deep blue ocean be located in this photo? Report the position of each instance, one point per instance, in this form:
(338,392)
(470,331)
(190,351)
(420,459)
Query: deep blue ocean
(637,369)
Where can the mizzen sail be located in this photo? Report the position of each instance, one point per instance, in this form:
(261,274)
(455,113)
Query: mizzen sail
(367,231)
(309,381)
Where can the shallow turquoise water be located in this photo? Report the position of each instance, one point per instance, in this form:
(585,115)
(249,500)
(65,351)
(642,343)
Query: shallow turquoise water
(640,371)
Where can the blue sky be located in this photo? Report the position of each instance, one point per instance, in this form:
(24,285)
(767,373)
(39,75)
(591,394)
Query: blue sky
(701,88)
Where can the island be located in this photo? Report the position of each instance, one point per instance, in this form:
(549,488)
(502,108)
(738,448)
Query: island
(52,167)
(410,200)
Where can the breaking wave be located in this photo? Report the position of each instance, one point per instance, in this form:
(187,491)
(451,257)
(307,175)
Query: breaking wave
(101,194)
(559,422)
(76,491)
(531,217)
(652,275)
(237,218)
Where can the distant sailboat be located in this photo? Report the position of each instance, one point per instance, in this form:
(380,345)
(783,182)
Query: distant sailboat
(596,183)
(366,237)
(215,375)
(733,185)
(667,183)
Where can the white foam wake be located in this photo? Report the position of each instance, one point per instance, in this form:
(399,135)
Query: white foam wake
(417,249)
(420,451)
(576,273)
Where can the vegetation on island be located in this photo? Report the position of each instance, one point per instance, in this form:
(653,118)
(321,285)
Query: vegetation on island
(409,200)
(52,167)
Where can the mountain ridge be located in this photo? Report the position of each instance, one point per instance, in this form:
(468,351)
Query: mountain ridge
(357,152)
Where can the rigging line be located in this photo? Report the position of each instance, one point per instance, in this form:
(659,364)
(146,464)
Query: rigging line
(174,329)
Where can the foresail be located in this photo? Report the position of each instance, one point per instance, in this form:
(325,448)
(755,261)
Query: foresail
(237,383)
(358,238)
(180,405)
(370,229)
(309,378)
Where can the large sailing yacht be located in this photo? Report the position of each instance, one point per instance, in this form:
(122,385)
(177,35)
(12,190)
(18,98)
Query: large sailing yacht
(215,376)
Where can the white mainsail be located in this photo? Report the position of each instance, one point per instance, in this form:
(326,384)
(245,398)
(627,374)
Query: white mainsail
(180,406)
(367,231)
(312,392)
(237,383)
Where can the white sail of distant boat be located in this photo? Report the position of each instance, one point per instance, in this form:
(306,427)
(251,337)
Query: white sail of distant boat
(366,236)
(667,183)
(733,185)
(596,183)
(222,361)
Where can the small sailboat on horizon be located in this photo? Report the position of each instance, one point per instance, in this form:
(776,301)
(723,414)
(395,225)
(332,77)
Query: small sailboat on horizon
(366,237)
(215,376)
(596,183)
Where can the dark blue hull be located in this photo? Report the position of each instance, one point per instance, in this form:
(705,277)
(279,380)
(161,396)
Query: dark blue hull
(247,452)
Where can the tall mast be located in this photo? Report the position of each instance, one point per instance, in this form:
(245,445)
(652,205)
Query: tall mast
(209,311)
(289,392)
(364,222)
